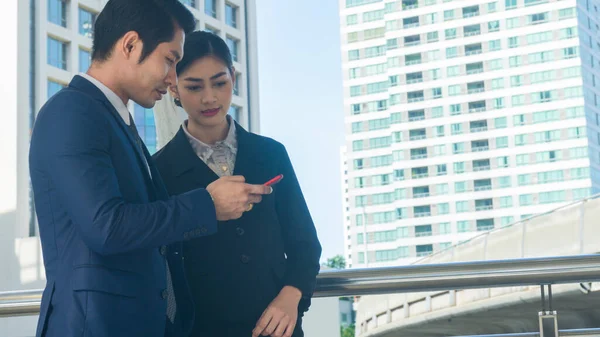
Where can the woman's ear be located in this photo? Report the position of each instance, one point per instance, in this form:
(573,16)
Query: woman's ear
(175,93)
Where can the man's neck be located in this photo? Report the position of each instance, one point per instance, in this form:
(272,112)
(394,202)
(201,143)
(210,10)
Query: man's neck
(105,75)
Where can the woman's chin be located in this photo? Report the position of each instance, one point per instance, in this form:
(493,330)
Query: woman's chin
(210,121)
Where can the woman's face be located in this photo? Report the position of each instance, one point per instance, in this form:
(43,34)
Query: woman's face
(205,89)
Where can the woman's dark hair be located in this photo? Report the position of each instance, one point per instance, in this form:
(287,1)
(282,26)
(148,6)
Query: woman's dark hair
(154,20)
(200,44)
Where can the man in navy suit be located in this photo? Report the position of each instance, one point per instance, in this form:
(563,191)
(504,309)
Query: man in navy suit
(111,236)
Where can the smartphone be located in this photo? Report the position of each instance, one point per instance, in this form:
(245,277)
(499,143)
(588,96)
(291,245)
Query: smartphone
(274,180)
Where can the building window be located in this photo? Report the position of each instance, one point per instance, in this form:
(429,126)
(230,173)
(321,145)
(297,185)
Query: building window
(144,121)
(191,3)
(53,88)
(231,15)
(211,30)
(462,226)
(86,23)
(85,60)
(57,12)
(210,8)
(233,47)
(57,53)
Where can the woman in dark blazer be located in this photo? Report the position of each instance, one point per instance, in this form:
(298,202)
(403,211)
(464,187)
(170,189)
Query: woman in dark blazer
(256,276)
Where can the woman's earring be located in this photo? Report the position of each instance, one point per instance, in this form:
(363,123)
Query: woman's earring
(177,102)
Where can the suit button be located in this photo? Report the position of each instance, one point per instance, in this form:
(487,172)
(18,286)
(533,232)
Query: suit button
(163,250)
(240,231)
(245,258)
(164,294)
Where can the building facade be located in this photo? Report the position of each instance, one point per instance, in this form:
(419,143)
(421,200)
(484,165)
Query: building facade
(464,116)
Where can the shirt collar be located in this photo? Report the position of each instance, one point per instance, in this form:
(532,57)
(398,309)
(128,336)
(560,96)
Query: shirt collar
(116,102)
(204,150)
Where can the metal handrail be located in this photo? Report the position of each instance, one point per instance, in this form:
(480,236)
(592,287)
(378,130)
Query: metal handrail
(406,279)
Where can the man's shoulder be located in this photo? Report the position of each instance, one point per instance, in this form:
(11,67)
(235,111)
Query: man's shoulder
(69,100)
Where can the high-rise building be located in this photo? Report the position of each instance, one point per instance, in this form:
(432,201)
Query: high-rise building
(464,116)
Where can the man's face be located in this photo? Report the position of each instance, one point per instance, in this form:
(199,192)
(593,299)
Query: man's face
(151,78)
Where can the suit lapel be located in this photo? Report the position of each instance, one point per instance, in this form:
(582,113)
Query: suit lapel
(125,128)
(89,88)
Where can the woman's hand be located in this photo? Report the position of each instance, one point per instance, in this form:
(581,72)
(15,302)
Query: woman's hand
(279,319)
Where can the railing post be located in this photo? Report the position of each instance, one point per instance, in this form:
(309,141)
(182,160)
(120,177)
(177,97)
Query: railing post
(581,225)
(524,232)
(452,298)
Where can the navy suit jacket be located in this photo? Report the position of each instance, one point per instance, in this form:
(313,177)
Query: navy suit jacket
(107,226)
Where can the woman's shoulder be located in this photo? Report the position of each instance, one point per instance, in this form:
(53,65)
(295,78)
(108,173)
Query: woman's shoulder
(264,143)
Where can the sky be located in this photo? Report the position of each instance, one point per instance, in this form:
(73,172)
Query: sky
(301,102)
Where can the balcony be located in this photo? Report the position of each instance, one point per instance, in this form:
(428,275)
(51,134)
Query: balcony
(483,188)
(414,80)
(412,62)
(478,109)
(410,25)
(416,99)
(475,90)
(473,52)
(484,208)
(412,43)
(472,33)
(421,195)
(474,71)
(480,148)
(422,214)
(418,137)
(418,156)
(479,129)
(420,175)
(416,118)
(423,234)
(422,254)
(481,168)
(470,14)
(485,228)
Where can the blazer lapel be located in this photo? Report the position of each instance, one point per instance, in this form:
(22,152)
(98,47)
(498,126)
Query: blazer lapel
(89,88)
(250,159)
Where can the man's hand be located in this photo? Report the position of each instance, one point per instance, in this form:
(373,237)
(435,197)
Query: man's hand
(279,320)
(232,196)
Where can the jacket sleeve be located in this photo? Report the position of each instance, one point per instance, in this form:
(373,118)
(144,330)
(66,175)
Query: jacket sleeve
(79,166)
(302,245)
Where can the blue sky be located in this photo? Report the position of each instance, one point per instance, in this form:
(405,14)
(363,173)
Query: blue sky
(301,102)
